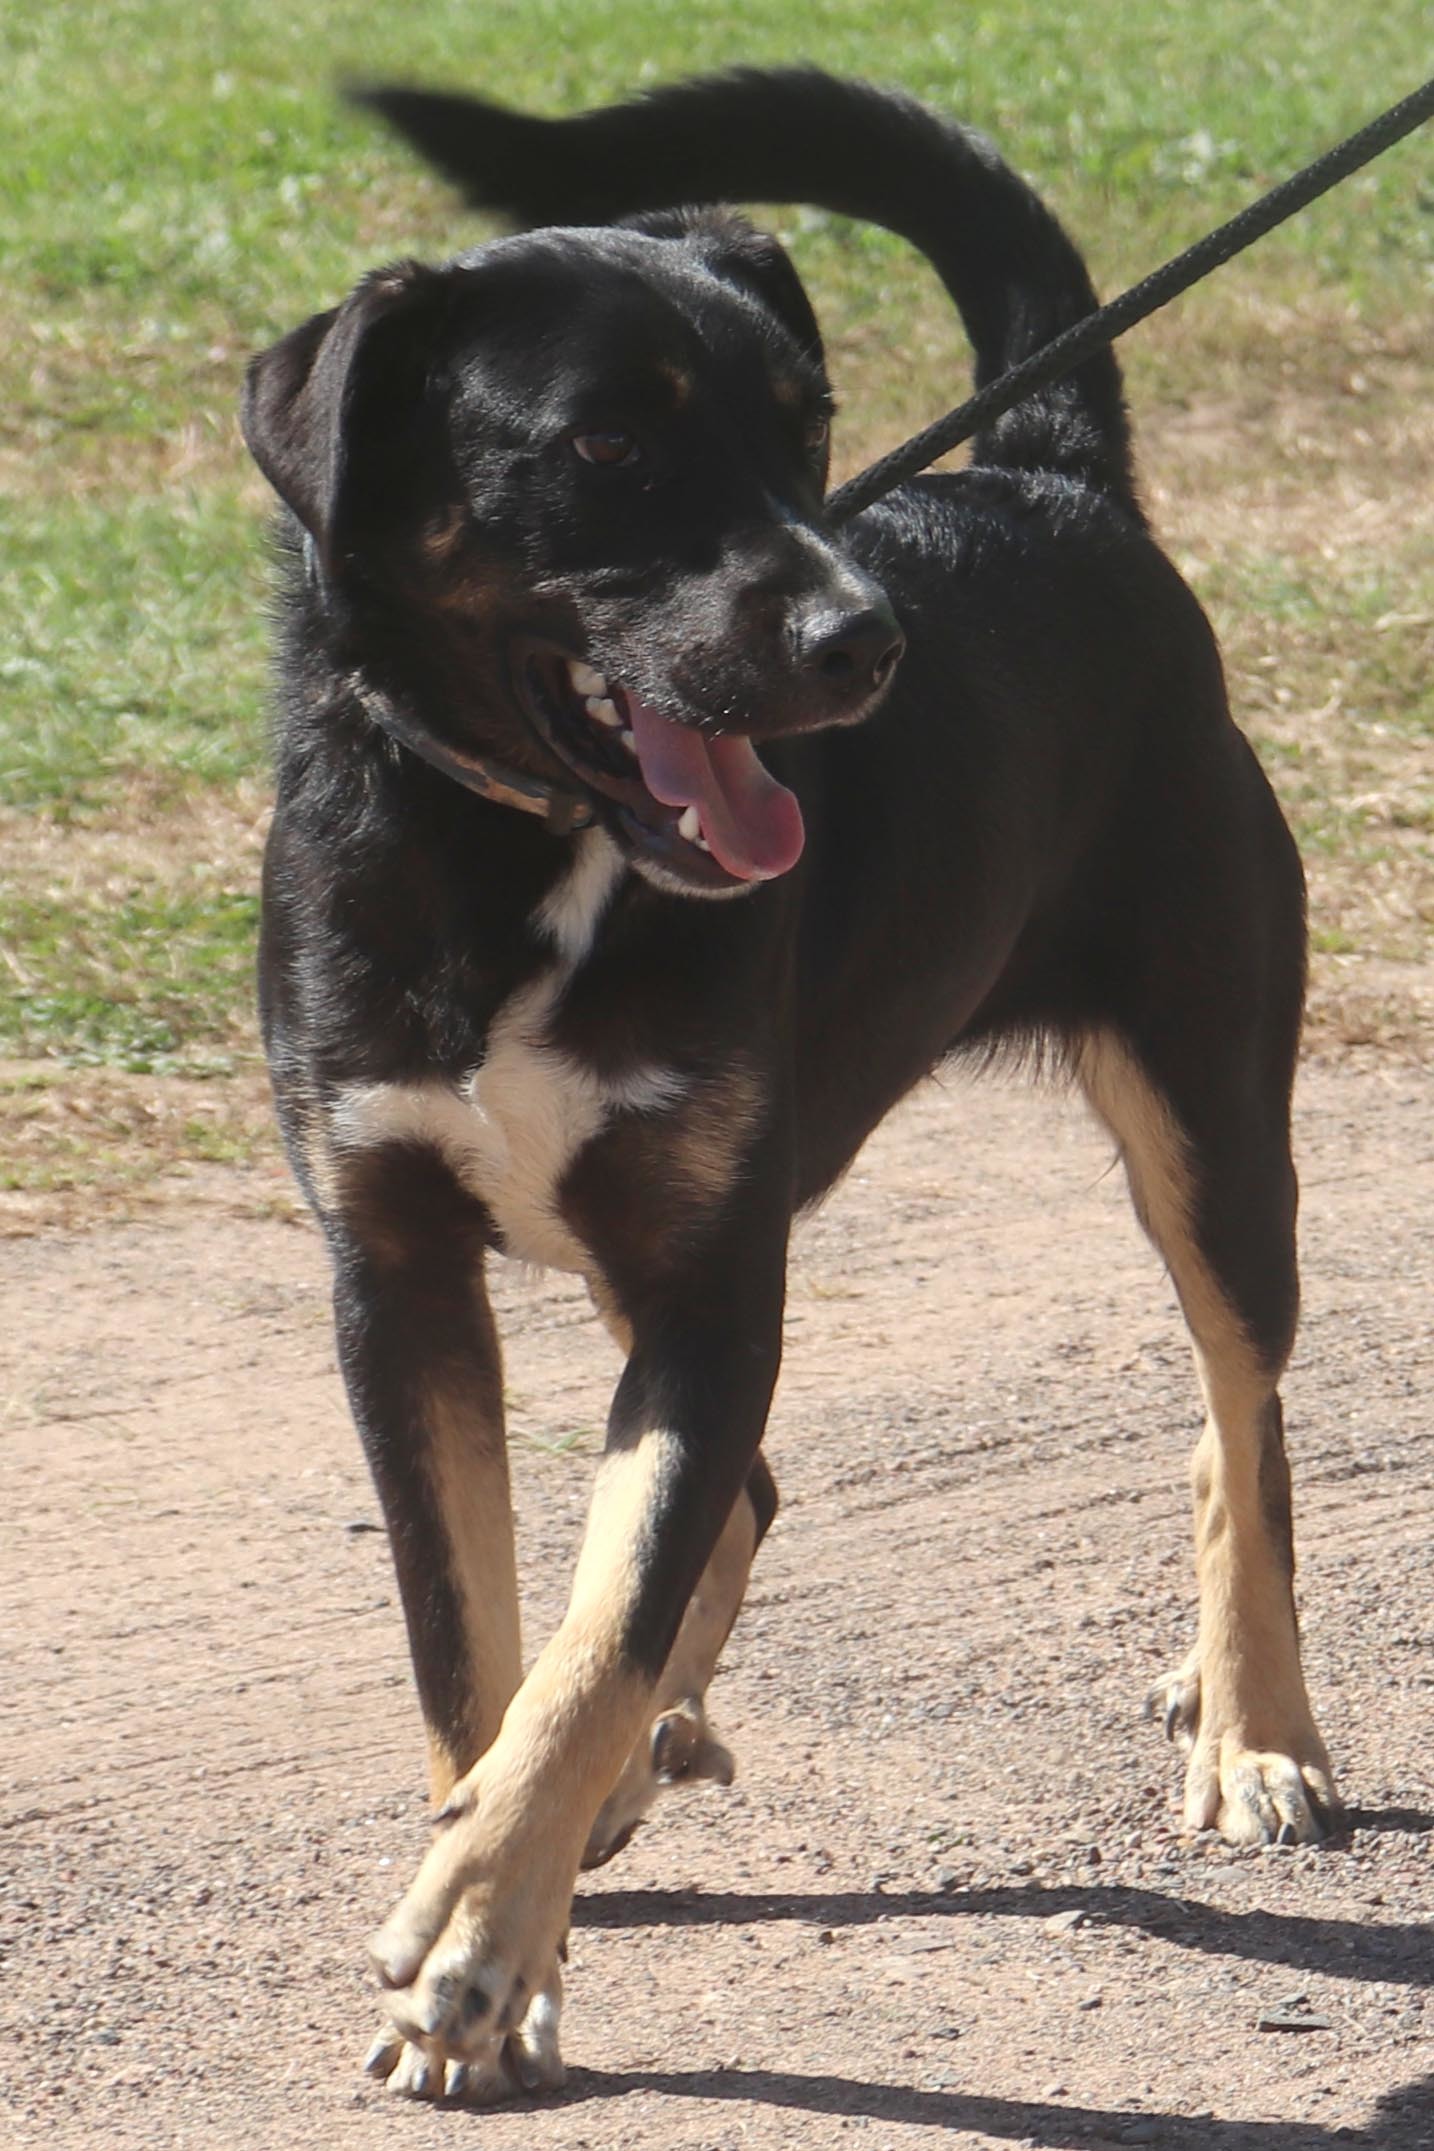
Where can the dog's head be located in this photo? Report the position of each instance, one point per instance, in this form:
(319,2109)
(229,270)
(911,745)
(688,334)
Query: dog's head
(565,500)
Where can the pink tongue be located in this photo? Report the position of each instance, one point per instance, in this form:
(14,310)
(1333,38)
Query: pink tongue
(752,823)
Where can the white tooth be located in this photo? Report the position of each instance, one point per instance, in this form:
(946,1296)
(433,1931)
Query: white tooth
(689,824)
(703,845)
(603,710)
(585,680)
(629,742)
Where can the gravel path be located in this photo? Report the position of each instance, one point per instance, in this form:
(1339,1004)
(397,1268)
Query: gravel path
(948,1900)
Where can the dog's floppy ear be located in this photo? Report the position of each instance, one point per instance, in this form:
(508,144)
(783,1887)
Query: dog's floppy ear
(762,265)
(329,411)
(740,254)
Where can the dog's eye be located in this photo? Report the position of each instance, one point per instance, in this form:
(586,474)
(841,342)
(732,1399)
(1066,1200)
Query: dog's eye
(608,450)
(818,435)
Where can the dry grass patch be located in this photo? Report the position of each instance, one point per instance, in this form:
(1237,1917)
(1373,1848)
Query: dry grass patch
(80,1146)
(1304,518)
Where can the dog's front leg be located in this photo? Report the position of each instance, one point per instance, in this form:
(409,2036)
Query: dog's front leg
(422,1366)
(479,1933)
(678,1746)
(421,1362)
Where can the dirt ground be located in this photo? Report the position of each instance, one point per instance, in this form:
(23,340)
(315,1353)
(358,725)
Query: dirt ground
(948,1899)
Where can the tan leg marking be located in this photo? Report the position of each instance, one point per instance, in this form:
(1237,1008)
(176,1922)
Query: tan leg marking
(477,1936)
(713,1132)
(1258,1768)
(614,1321)
(468,1460)
(678,1746)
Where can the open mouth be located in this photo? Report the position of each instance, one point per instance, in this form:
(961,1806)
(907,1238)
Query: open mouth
(700,804)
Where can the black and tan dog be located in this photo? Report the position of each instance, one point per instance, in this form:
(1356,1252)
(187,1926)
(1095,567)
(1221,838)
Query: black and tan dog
(569,651)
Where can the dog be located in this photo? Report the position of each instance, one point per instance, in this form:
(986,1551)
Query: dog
(641,839)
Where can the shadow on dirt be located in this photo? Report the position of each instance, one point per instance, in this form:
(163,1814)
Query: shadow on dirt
(1413,1819)
(1403,2120)
(1341,1948)
(1363,1950)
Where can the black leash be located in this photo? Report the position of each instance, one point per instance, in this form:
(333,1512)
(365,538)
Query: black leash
(1064,352)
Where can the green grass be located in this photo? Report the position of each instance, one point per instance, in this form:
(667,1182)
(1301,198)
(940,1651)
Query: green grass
(133,635)
(181,184)
(1364,626)
(142,983)
(184,183)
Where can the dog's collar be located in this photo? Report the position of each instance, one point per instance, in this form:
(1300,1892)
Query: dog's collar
(563,811)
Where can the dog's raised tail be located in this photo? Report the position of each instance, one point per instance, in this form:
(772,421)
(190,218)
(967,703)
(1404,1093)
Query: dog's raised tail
(797,135)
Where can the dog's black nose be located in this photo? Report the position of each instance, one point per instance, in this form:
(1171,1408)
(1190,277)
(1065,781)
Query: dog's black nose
(853,652)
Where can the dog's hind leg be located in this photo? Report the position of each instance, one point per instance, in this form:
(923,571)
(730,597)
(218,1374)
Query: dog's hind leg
(679,1747)
(1205,1141)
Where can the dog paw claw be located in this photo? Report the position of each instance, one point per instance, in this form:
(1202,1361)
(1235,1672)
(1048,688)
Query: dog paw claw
(382,2057)
(678,1749)
(1174,1703)
(525,2058)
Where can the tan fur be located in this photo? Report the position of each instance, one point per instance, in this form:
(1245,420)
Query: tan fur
(1256,1747)
(693,1152)
(614,1321)
(712,1132)
(681,382)
(571,912)
(468,1460)
(490,1903)
(513,1130)
(309,1132)
(706,1625)
(443,533)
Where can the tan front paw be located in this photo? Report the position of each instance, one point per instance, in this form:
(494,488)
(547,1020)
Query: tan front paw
(1258,1774)
(469,1960)
(677,1749)
(526,2059)
(1281,1795)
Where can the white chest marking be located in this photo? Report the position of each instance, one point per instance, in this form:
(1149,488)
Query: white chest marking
(570,913)
(512,1129)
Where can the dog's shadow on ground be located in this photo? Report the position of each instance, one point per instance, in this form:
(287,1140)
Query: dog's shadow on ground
(1345,1949)
(1403,2119)
(1361,1950)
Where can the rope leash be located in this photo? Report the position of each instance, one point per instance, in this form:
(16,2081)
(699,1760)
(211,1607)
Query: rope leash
(1064,352)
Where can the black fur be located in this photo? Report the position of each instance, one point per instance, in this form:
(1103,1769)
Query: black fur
(1045,826)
